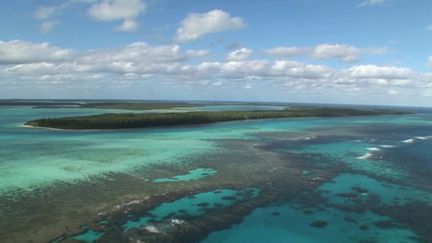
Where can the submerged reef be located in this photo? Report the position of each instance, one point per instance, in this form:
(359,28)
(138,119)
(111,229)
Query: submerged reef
(263,179)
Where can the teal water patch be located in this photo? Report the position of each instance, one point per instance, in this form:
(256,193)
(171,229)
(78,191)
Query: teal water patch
(289,223)
(389,194)
(88,236)
(357,154)
(192,206)
(192,175)
(410,120)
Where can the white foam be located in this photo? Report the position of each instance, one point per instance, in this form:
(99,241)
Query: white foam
(177,221)
(387,146)
(152,229)
(365,156)
(411,140)
(373,149)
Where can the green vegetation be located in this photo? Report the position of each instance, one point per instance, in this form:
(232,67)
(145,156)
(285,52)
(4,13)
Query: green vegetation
(143,120)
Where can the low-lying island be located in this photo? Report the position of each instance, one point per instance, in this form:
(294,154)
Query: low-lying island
(145,120)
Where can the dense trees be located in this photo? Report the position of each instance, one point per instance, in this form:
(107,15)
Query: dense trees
(142,120)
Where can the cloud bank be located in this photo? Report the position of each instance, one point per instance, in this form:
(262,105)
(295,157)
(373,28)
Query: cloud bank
(46,65)
(341,52)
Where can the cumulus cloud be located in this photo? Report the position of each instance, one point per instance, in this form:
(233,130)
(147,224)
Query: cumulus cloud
(24,62)
(196,25)
(42,58)
(19,52)
(128,25)
(344,53)
(125,10)
(380,72)
(341,52)
(239,54)
(108,10)
(366,3)
(287,51)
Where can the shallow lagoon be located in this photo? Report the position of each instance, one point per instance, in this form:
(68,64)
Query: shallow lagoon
(383,154)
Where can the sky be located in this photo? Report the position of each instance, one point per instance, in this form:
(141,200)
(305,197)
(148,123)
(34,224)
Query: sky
(333,51)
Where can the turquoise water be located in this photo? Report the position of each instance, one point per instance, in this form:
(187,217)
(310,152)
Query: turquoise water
(31,158)
(192,206)
(386,156)
(288,223)
(293,222)
(358,155)
(389,193)
(88,236)
(192,175)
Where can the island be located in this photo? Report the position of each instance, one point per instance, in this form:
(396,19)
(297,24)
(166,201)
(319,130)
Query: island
(145,120)
(101,104)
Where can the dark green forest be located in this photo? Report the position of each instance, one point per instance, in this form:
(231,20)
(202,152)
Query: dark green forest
(143,120)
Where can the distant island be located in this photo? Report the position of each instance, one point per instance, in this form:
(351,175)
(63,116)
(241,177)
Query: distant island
(145,120)
(95,104)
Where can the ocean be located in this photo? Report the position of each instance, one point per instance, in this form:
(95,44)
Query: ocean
(345,179)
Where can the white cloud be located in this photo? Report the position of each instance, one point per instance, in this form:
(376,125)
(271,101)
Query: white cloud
(39,59)
(239,54)
(107,10)
(366,3)
(46,15)
(46,12)
(393,92)
(102,10)
(125,10)
(47,26)
(128,26)
(287,51)
(18,52)
(341,52)
(196,25)
(380,72)
(197,53)
(428,28)
(24,63)
(299,70)
(344,53)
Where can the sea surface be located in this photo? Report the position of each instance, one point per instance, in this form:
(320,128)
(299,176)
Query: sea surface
(347,179)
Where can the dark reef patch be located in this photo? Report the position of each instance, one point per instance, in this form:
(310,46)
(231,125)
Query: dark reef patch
(203,204)
(363,227)
(319,224)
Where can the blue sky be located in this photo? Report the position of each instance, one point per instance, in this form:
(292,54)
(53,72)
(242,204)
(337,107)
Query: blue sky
(337,51)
